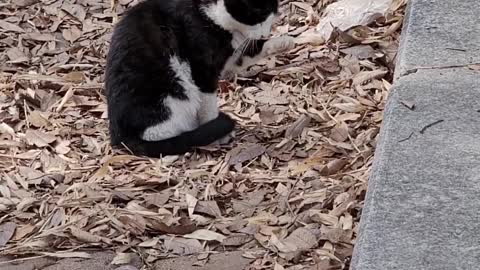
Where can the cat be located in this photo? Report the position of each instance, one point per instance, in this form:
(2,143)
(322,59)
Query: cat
(163,67)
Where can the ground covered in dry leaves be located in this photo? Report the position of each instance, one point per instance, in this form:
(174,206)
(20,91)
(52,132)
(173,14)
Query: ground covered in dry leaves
(288,190)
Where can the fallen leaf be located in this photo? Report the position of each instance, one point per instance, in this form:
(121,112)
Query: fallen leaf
(10,27)
(205,235)
(122,258)
(297,128)
(6,232)
(76,11)
(39,138)
(173,229)
(126,267)
(340,132)
(365,76)
(75,77)
(84,236)
(361,51)
(408,103)
(301,239)
(72,34)
(37,119)
(61,254)
(25,3)
(237,240)
(191,203)
(246,153)
(182,246)
(208,207)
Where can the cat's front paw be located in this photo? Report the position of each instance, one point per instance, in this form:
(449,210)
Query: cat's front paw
(279,45)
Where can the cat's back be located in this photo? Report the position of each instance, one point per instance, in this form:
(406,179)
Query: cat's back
(141,44)
(147,18)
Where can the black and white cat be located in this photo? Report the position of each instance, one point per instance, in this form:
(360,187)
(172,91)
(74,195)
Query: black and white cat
(163,67)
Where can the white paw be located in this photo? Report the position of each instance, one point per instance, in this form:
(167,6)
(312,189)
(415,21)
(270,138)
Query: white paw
(279,45)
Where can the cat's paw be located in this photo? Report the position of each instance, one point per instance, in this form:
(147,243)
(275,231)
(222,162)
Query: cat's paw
(279,45)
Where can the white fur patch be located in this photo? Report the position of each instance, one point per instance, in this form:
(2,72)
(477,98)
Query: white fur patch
(183,112)
(209,108)
(218,13)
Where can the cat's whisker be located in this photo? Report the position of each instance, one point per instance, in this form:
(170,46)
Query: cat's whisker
(248,43)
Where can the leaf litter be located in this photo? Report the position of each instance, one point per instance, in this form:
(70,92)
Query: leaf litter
(288,190)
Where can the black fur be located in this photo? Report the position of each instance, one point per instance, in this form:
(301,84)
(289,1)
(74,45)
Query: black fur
(202,136)
(139,78)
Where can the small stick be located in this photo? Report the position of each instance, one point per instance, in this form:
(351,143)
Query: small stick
(430,125)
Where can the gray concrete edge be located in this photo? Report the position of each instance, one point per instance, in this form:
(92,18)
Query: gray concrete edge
(401,74)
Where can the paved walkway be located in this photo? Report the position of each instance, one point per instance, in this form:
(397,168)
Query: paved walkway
(423,201)
(101,261)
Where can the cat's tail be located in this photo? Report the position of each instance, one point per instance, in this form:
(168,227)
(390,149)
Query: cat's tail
(185,142)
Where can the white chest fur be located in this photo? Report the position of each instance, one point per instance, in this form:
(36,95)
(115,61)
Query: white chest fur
(183,113)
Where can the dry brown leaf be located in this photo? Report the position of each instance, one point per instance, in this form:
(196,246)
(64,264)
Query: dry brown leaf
(209,208)
(191,203)
(340,132)
(123,258)
(60,254)
(301,239)
(205,235)
(25,3)
(408,103)
(242,154)
(182,246)
(360,51)
(365,76)
(173,229)
(75,77)
(76,11)
(10,27)
(39,138)
(6,232)
(322,218)
(334,166)
(37,119)
(297,128)
(126,267)
(72,34)
(237,240)
(157,199)
(84,236)
(134,224)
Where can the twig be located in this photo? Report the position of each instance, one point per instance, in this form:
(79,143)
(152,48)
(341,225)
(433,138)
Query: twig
(430,125)
(456,49)
(408,138)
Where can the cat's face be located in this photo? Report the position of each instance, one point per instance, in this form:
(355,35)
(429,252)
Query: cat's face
(252,18)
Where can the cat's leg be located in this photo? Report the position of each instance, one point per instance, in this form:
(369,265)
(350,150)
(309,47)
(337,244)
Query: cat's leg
(209,111)
(257,50)
(278,45)
(264,48)
(209,108)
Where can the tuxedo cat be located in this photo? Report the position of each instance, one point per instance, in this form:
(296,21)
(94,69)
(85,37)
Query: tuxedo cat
(163,67)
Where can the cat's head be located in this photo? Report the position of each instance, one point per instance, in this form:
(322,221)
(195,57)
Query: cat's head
(252,18)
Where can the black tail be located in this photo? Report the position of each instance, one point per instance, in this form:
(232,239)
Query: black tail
(185,142)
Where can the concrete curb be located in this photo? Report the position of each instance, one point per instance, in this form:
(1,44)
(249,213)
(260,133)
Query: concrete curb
(421,206)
